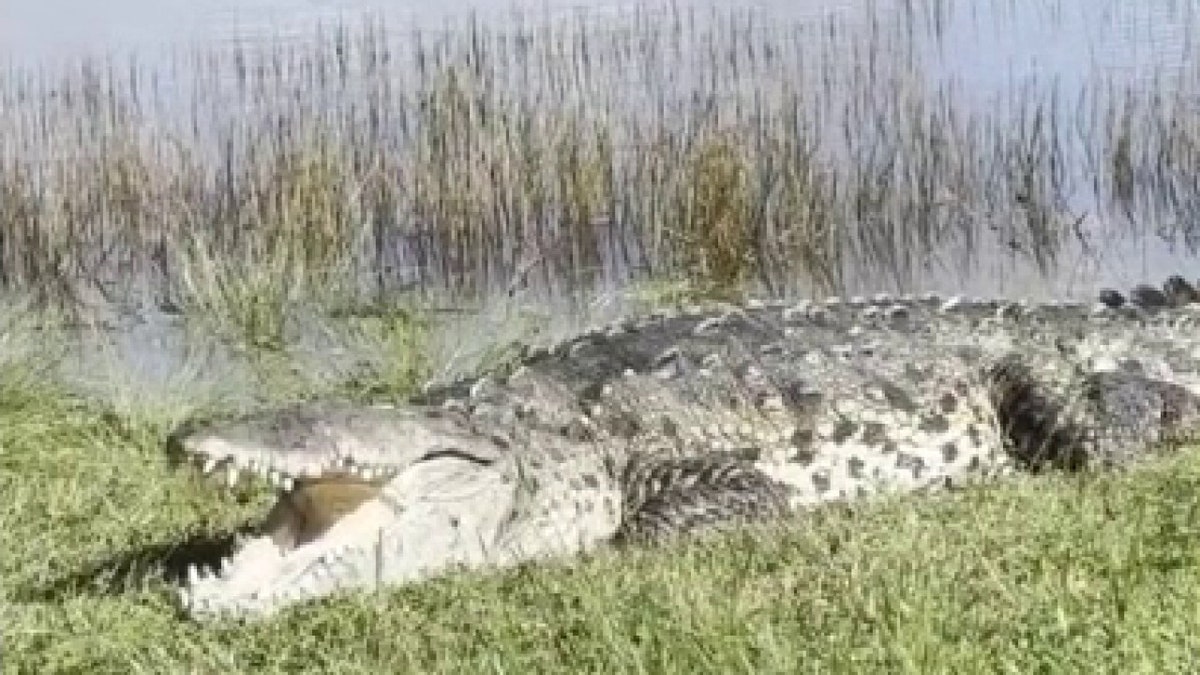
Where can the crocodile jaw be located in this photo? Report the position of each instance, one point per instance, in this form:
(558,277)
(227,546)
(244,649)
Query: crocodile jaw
(429,519)
(368,496)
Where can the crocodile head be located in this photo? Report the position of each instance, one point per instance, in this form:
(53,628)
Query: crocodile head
(367,496)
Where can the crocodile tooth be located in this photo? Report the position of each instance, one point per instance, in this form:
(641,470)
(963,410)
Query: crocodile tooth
(210,465)
(287,483)
(193,573)
(231,474)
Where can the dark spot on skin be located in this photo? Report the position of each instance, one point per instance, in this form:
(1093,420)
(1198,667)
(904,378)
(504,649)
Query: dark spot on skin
(799,397)
(575,431)
(907,461)
(974,464)
(844,430)
(973,434)
(820,480)
(888,447)
(524,412)
(454,522)
(750,454)
(802,438)
(669,428)
(761,399)
(624,425)
(934,424)
(589,480)
(897,397)
(862,492)
(948,403)
(856,466)
(803,457)
(874,433)
(949,452)
(592,392)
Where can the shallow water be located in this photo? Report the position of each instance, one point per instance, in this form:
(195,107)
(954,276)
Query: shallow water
(989,44)
(988,49)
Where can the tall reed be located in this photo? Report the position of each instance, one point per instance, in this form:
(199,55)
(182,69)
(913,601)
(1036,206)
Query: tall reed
(723,148)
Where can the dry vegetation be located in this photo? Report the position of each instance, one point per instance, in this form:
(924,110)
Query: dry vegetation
(721,149)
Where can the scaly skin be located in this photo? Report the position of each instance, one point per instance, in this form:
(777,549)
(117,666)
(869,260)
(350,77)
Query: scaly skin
(689,422)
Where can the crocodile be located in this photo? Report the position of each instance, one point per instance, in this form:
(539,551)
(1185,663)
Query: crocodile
(694,421)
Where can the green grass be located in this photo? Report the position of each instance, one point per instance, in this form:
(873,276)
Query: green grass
(1046,574)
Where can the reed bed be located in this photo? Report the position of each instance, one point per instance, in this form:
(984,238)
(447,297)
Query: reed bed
(718,149)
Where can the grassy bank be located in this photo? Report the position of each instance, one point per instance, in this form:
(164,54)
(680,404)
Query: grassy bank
(1051,574)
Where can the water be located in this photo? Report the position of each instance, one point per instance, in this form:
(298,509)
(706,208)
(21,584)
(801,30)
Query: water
(988,44)
(988,50)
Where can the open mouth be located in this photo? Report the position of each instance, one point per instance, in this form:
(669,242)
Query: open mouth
(366,496)
(312,506)
(308,503)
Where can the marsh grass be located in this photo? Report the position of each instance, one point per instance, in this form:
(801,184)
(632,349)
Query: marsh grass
(1046,574)
(369,164)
